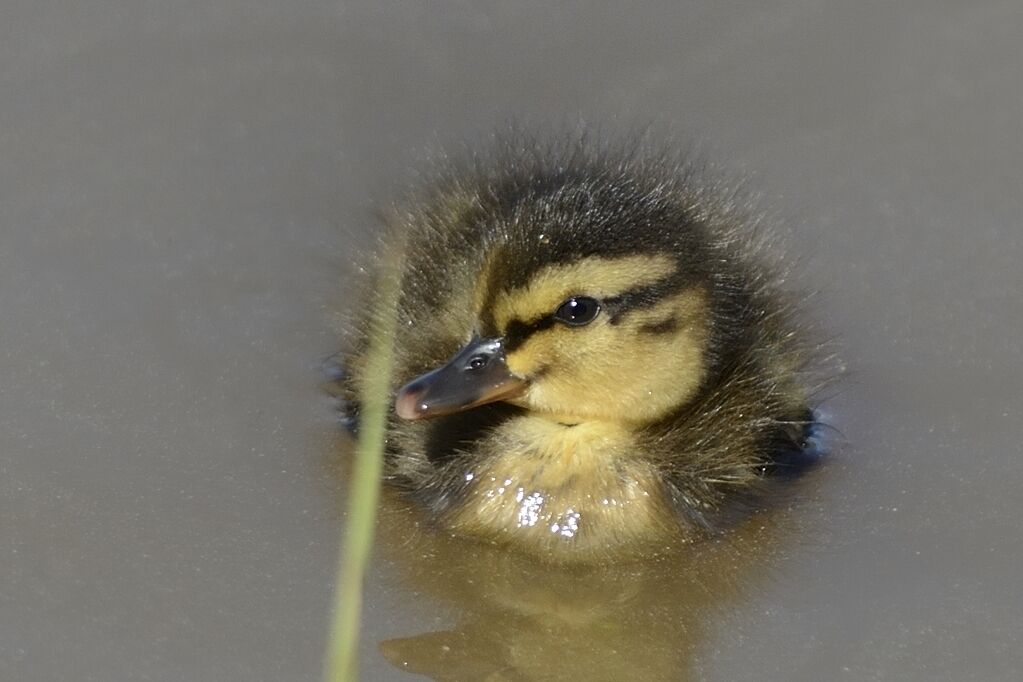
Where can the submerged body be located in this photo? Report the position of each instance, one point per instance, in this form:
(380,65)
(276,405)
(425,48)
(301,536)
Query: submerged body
(592,358)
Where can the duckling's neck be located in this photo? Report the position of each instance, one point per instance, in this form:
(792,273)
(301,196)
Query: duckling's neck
(555,483)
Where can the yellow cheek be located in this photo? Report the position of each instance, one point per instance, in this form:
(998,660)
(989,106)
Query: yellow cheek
(618,372)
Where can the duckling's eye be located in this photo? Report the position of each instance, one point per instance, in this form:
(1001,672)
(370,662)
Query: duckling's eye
(577,311)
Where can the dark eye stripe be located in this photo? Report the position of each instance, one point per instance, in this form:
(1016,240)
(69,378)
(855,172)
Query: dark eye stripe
(518,331)
(641,297)
(661,327)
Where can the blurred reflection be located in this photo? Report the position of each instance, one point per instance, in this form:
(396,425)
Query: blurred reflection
(521,620)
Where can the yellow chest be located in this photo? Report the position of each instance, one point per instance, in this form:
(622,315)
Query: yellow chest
(554,488)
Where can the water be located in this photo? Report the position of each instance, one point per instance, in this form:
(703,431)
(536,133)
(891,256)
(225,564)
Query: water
(184,187)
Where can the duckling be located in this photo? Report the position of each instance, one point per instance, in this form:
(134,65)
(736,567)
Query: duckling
(593,360)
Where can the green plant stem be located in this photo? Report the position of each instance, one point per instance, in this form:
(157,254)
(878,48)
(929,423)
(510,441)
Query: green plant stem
(341,664)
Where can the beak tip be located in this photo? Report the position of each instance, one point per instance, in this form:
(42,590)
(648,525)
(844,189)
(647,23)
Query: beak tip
(407,405)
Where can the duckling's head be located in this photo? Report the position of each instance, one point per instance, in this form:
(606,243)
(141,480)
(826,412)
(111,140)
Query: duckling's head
(610,339)
(612,364)
(593,298)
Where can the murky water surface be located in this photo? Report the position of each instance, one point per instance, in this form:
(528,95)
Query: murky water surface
(183,187)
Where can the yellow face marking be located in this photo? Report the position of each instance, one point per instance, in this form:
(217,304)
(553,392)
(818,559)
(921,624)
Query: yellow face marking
(620,372)
(597,277)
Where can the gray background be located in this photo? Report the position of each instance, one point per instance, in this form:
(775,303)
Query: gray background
(181,188)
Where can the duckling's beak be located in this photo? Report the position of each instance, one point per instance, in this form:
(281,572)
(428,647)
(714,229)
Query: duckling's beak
(476,375)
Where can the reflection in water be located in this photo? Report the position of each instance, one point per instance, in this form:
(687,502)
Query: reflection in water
(521,620)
